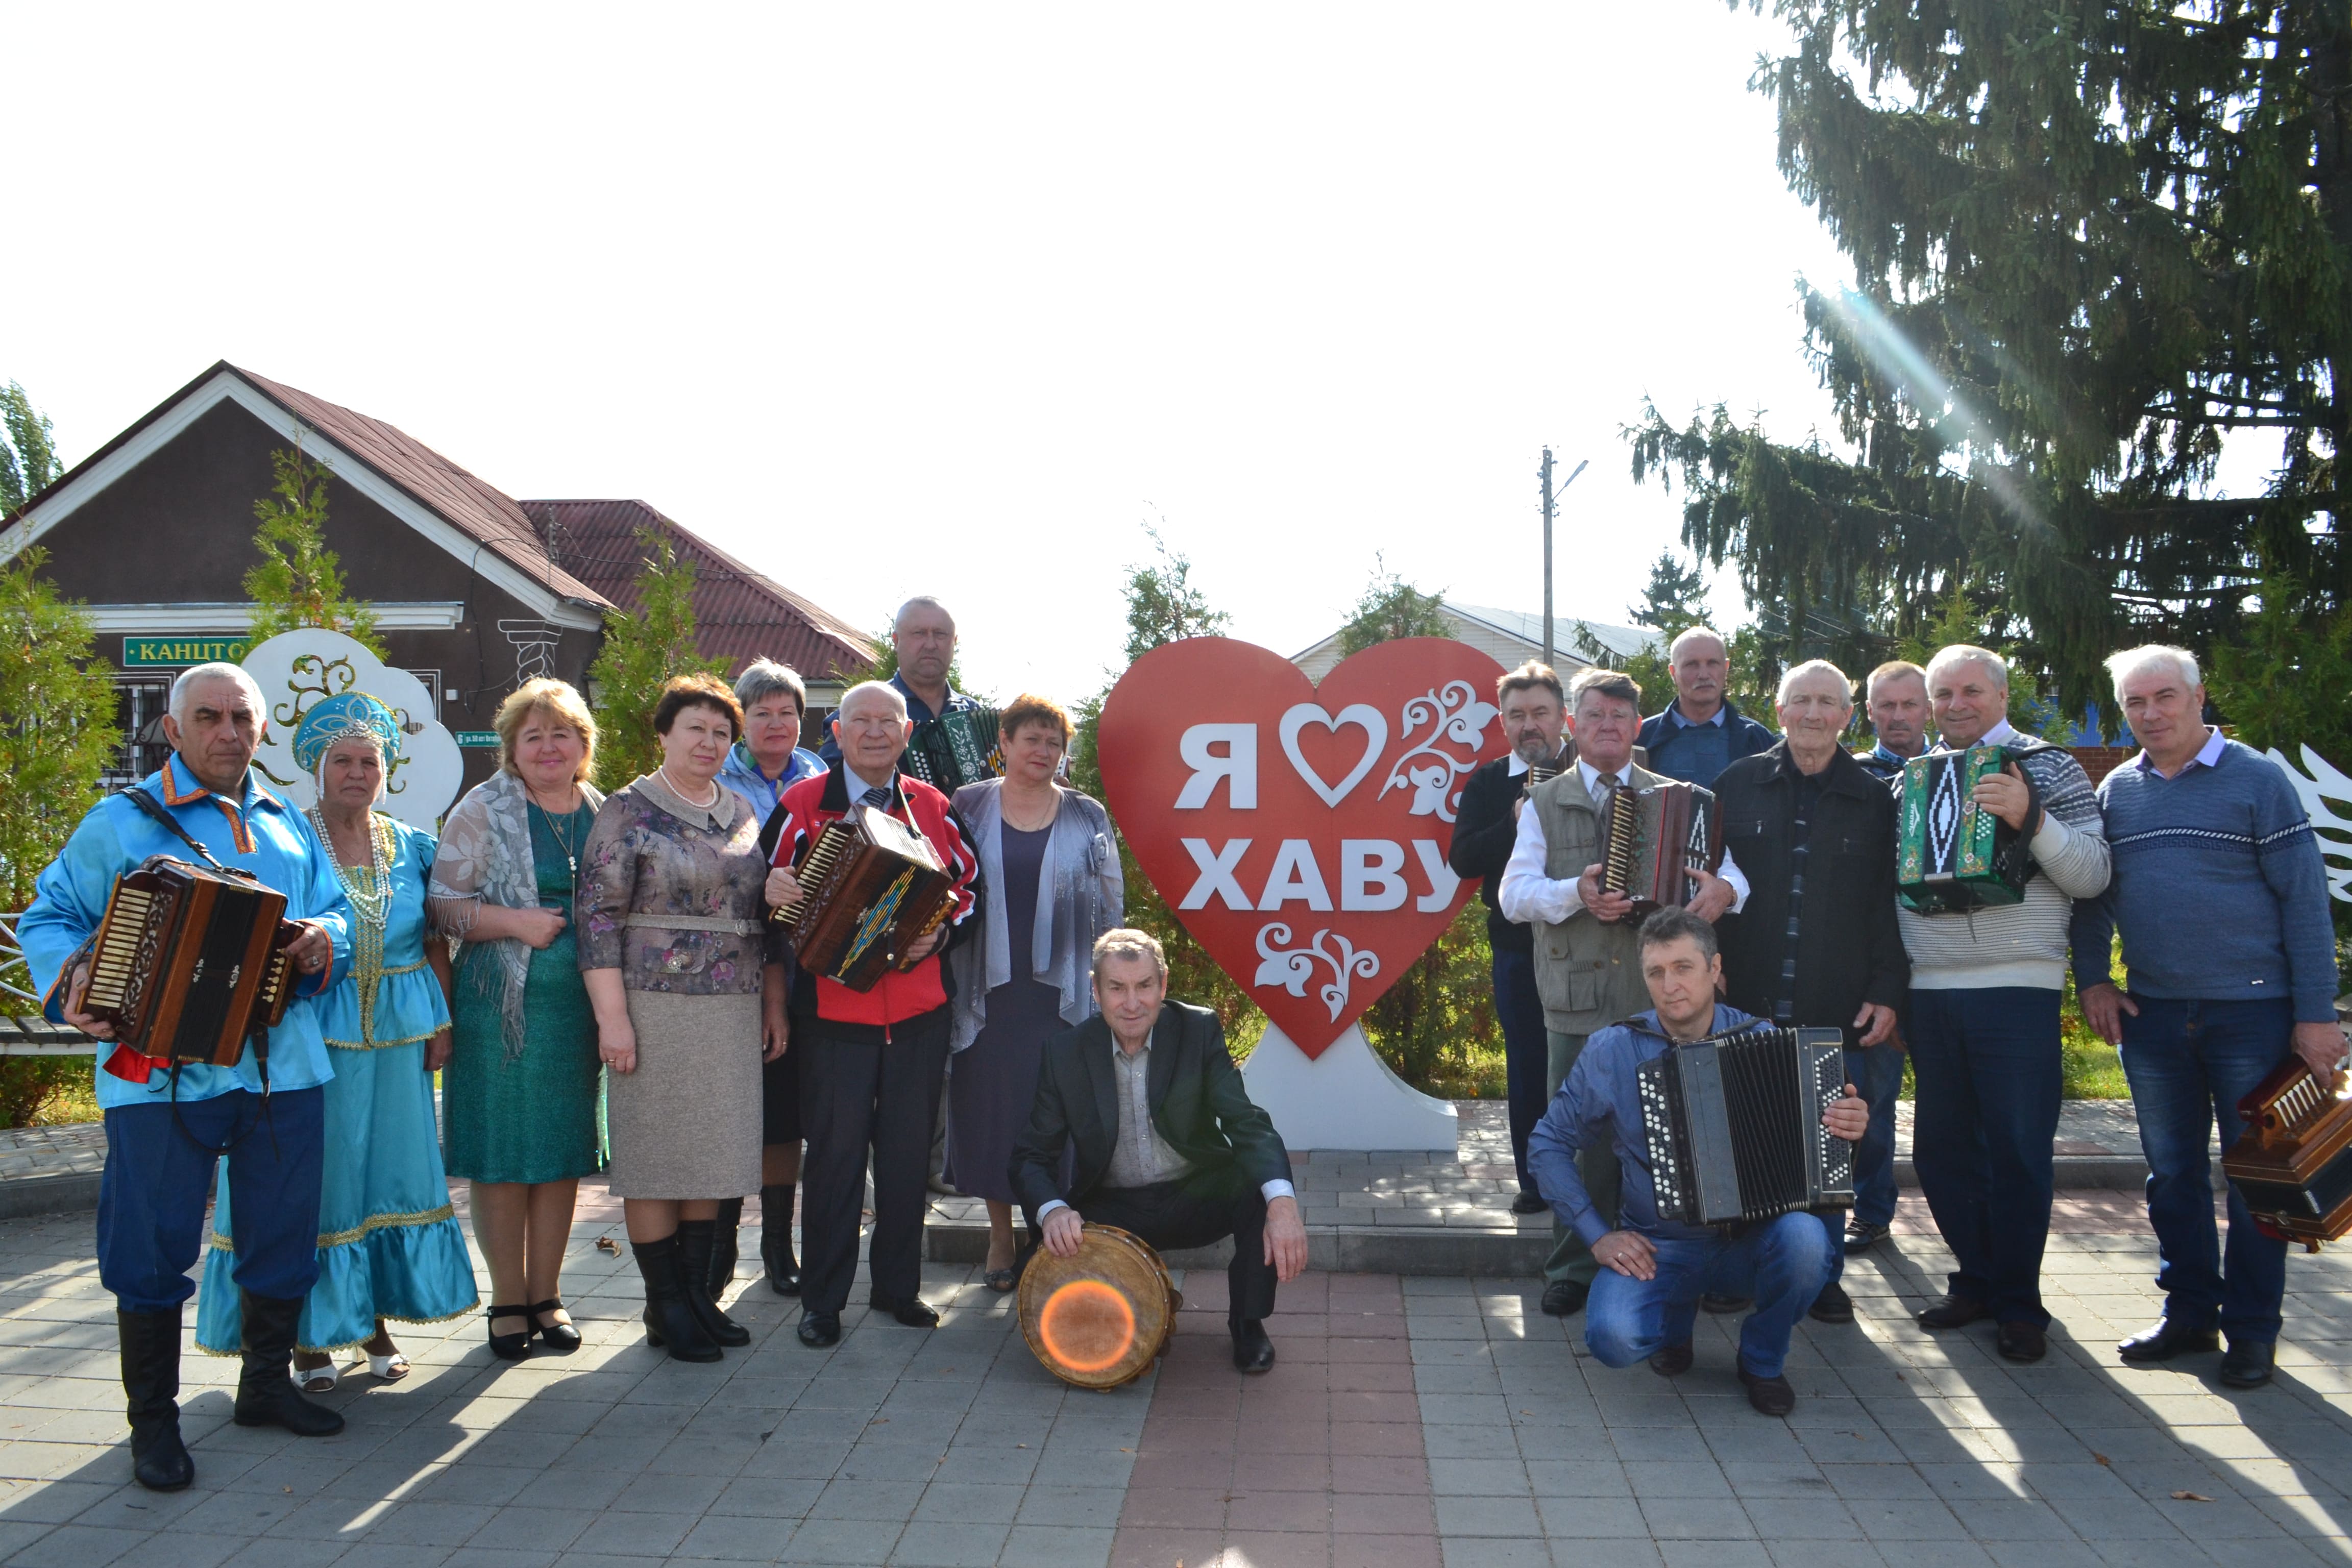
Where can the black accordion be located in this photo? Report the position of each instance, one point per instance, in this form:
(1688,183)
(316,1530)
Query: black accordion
(1733,1126)
(955,749)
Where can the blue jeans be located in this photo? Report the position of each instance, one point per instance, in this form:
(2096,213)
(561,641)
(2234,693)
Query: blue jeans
(1783,1263)
(1879,1077)
(151,1199)
(1526,1053)
(2189,1062)
(1987,1062)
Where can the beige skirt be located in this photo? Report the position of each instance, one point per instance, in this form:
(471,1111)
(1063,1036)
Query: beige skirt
(685,1124)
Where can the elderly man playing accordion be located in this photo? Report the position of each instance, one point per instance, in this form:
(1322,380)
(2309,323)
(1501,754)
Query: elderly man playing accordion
(871,1062)
(166,1127)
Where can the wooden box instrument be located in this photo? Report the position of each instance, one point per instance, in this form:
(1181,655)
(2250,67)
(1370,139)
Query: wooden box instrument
(956,749)
(188,964)
(1651,838)
(1102,1318)
(1950,853)
(1733,1125)
(871,888)
(2293,1165)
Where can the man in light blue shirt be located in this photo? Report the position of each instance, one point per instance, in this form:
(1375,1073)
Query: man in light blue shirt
(166,1125)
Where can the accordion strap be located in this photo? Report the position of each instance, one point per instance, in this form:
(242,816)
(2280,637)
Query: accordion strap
(152,807)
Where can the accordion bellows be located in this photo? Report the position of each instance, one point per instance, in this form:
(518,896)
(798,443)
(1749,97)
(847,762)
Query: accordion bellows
(955,749)
(1733,1126)
(1651,838)
(188,961)
(2293,1165)
(873,888)
(1950,853)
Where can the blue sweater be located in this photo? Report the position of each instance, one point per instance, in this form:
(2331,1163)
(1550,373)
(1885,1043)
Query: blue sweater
(1695,753)
(2218,889)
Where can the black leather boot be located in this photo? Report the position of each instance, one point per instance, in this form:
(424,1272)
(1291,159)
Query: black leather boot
(724,1249)
(266,1394)
(696,1237)
(150,1381)
(776,1239)
(670,1322)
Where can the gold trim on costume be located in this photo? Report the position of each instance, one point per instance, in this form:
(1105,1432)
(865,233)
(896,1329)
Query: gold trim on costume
(373,1222)
(383,1044)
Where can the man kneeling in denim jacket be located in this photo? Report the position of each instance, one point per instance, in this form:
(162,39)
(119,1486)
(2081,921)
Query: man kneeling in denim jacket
(1647,1298)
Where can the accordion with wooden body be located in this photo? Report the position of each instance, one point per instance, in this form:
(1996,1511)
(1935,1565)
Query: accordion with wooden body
(1733,1126)
(956,749)
(1950,853)
(2293,1165)
(1652,837)
(187,966)
(872,887)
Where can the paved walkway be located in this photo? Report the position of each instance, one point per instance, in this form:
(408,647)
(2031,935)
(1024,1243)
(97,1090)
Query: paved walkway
(1411,1423)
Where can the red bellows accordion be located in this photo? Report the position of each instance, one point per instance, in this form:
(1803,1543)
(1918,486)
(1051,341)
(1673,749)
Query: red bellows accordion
(2293,1165)
(1652,838)
(187,966)
(871,888)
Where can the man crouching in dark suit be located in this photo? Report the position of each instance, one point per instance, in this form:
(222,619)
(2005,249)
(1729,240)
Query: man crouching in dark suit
(1167,1143)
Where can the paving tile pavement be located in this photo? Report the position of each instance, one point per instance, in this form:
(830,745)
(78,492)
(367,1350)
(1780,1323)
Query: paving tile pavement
(1415,1421)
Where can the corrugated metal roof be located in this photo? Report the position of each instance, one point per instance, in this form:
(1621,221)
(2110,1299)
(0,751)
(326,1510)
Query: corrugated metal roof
(739,614)
(467,503)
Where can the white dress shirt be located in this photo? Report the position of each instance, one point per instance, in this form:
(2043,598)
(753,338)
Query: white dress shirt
(1528,896)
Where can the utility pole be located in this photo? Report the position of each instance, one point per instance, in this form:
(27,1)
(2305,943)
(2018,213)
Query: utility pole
(1550,508)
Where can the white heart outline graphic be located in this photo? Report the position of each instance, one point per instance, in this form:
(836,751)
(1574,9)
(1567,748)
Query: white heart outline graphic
(1376,732)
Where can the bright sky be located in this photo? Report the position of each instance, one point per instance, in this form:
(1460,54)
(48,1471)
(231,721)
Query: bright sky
(951,298)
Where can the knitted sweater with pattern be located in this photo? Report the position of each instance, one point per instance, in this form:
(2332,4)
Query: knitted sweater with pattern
(2219,891)
(2024,943)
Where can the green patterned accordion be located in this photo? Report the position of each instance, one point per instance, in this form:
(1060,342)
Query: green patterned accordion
(955,749)
(1950,853)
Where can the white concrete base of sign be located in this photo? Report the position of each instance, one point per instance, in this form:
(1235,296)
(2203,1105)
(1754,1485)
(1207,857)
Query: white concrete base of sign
(1345,1098)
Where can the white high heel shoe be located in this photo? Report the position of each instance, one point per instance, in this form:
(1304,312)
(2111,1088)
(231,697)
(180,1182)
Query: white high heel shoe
(388,1368)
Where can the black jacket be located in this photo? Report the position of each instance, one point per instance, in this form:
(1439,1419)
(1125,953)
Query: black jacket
(1197,1102)
(1849,951)
(1485,829)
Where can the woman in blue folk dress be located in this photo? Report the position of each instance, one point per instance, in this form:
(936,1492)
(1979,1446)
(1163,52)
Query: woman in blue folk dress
(389,1246)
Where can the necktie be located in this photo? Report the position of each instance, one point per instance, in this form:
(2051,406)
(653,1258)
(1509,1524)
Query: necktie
(876,797)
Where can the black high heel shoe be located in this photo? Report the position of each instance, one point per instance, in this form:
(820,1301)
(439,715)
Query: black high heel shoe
(561,1338)
(509,1347)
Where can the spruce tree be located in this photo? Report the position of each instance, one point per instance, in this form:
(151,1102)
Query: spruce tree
(2090,240)
(300,581)
(643,648)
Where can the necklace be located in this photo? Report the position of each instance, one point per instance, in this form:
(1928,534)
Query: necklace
(1053,809)
(562,836)
(368,887)
(697,804)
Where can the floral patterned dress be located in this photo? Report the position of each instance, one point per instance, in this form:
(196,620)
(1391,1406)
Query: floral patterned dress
(670,896)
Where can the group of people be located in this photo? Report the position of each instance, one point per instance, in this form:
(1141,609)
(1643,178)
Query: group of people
(1800,925)
(620,1002)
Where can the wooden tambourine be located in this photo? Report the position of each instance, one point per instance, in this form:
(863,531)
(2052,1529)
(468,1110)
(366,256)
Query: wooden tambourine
(1102,1318)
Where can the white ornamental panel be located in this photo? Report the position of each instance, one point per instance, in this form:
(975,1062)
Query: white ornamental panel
(297,668)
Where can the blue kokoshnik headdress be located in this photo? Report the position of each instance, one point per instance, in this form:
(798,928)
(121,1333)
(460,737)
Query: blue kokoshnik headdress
(333,719)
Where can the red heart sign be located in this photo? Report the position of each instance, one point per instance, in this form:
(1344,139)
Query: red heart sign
(1301,831)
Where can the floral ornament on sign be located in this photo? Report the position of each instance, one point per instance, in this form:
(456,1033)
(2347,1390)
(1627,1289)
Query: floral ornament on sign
(1294,968)
(2322,783)
(1455,717)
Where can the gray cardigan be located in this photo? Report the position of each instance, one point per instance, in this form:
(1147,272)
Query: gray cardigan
(1080,895)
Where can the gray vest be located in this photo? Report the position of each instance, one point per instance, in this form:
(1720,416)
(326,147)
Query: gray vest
(1588,972)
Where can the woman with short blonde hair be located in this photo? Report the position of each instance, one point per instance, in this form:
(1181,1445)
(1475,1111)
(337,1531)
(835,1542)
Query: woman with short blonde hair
(519,1098)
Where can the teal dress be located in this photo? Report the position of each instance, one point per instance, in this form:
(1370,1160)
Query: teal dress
(389,1245)
(531,1117)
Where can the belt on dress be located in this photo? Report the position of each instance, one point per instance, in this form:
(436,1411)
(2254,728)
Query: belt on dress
(694,923)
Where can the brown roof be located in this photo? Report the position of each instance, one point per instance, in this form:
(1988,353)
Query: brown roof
(739,614)
(488,514)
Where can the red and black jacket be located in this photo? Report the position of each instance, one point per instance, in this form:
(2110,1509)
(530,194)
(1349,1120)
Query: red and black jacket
(802,813)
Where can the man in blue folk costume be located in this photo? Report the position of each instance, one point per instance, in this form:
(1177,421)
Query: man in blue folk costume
(389,1246)
(166,1127)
